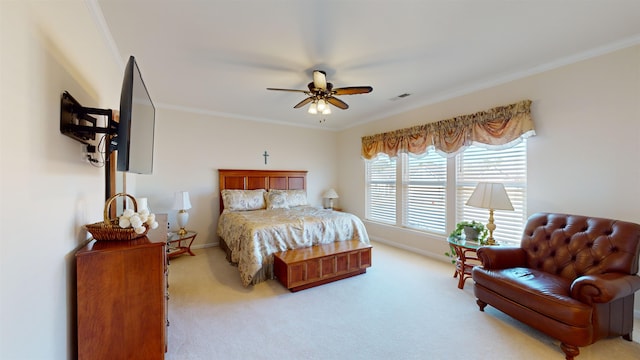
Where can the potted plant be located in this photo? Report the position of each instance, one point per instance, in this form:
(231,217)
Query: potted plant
(473,230)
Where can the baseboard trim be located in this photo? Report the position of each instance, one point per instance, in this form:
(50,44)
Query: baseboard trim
(204,246)
(412,249)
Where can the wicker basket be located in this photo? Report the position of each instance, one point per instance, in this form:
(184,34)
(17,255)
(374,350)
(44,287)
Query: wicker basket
(108,231)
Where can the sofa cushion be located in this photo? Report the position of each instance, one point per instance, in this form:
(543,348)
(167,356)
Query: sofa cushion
(542,292)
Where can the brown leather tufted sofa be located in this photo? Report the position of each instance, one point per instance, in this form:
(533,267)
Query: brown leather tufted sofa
(573,278)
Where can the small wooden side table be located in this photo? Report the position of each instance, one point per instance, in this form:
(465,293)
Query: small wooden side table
(466,258)
(180,244)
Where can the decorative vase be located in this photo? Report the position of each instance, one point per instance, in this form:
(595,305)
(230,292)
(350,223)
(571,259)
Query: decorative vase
(470,233)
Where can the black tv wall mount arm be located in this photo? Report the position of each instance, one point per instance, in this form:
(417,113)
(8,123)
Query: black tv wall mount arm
(76,122)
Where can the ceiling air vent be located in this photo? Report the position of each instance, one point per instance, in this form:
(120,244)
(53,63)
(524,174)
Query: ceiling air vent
(401,96)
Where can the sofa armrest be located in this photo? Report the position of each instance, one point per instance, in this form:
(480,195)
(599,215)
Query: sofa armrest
(501,257)
(604,288)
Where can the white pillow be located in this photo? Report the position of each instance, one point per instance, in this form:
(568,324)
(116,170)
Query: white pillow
(277,199)
(242,200)
(297,197)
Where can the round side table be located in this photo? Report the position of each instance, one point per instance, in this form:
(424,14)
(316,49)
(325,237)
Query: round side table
(466,258)
(180,244)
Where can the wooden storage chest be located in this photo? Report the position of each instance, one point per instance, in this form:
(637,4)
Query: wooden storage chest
(300,269)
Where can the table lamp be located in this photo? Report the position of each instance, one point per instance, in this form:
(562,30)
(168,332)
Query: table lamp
(182,204)
(330,194)
(490,196)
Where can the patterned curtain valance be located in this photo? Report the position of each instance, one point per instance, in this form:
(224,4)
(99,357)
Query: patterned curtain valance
(500,126)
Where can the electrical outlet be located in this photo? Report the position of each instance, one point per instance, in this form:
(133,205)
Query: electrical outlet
(87,153)
(84,155)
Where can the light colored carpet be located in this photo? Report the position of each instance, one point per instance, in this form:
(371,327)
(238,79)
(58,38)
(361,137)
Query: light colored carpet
(405,307)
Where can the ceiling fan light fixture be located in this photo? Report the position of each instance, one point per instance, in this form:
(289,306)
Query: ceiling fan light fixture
(313,108)
(321,105)
(326,111)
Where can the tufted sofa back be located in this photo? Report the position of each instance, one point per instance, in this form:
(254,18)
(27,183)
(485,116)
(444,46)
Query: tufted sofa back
(571,246)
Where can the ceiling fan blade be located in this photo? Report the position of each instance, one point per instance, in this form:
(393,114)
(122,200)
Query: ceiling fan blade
(320,79)
(303,103)
(352,90)
(293,90)
(337,103)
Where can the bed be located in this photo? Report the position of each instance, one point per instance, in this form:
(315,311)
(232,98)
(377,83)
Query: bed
(263,212)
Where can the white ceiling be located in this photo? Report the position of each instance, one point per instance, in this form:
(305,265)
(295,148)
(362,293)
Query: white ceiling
(218,57)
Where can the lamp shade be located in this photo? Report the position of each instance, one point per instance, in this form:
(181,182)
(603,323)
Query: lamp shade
(490,196)
(322,104)
(143,204)
(313,108)
(330,194)
(181,201)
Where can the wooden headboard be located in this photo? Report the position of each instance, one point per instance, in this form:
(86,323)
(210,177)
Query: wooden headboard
(261,179)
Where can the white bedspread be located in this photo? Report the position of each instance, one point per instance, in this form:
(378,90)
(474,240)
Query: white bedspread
(253,236)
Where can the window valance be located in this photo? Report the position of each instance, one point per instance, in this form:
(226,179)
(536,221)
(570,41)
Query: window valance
(500,126)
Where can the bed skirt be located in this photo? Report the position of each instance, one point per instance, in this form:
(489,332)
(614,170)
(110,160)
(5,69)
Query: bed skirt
(264,274)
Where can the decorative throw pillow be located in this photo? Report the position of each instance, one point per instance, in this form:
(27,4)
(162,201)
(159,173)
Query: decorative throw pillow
(242,200)
(297,197)
(277,199)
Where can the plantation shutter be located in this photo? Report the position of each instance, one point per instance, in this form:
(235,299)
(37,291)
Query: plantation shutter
(507,166)
(424,193)
(381,189)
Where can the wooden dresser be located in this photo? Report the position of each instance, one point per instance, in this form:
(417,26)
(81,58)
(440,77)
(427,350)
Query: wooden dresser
(122,297)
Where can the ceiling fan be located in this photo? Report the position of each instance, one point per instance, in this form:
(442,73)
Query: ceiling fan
(321,93)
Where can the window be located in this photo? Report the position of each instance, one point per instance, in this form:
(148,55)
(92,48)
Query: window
(411,191)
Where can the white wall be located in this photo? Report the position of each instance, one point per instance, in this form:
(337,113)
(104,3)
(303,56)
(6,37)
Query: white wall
(191,147)
(582,161)
(46,191)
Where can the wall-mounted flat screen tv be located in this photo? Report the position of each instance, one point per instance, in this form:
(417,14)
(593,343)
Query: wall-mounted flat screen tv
(137,122)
